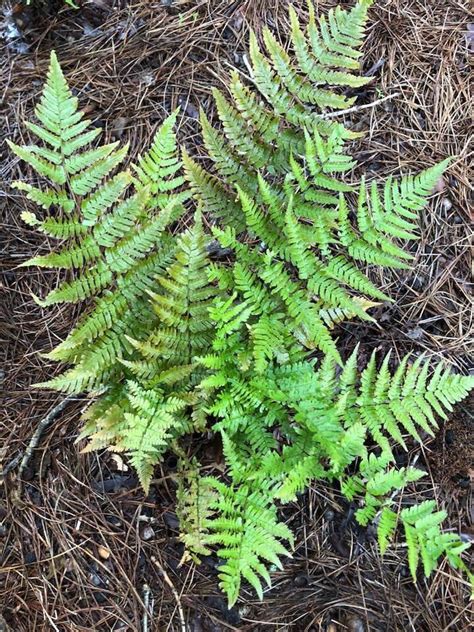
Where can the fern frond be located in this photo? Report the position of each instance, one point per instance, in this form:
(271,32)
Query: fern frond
(208,190)
(332,316)
(58,228)
(320,69)
(337,44)
(195,498)
(248,535)
(147,431)
(425,539)
(281,98)
(386,528)
(46,198)
(96,204)
(63,160)
(158,170)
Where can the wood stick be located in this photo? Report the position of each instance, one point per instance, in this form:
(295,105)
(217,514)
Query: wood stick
(165,576)
(40,429)
(146,603)
(357,108)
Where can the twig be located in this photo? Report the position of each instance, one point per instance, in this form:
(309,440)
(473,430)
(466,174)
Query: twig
(373,69)
(146,602)
(10,466)
(42,426)
(357,108)
(34,441)
(165,576)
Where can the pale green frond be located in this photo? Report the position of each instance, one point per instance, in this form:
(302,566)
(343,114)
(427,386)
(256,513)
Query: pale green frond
(58,228)
(46,198)
(386,528)
(195,498)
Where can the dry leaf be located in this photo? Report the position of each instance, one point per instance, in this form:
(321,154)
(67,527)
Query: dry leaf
(118,462)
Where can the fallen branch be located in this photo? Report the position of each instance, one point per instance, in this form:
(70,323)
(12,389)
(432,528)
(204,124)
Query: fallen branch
(8,468)
(35,439)
(42,426)
(165,576)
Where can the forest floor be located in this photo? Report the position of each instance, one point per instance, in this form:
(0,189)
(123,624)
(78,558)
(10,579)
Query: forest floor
(82,549)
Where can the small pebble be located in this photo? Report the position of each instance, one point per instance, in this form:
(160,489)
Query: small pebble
(100,597)
(374,166)
(96,579)
(30,557)
(446,204)
(114,521)
(148,534)
(171,520)
(301,581)
(103,552)
(416,333)
(440,185)
(354,624)
(329,514)
(3,531)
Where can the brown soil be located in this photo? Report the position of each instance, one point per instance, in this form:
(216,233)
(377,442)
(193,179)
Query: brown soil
(131,63)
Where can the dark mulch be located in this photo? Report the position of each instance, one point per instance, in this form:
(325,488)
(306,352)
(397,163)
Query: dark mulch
(83,549)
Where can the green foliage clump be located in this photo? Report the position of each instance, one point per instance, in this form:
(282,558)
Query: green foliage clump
(178,340)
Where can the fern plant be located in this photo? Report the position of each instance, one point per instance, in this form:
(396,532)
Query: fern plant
(334,424)
(176,341)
